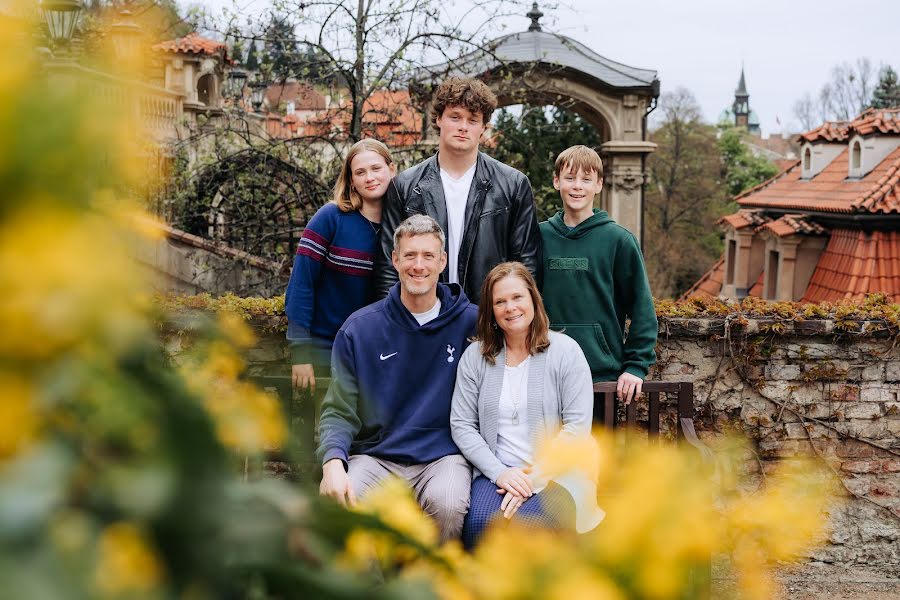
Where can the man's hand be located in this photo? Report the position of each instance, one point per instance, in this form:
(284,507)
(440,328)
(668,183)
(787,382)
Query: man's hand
(515,481)
(628,387)
(303,376)
(336,483)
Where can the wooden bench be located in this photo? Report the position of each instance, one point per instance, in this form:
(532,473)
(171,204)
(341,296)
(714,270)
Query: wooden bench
(606,406)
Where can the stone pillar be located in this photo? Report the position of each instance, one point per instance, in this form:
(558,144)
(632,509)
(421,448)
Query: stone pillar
(742,277)
(624,180)
(787,255)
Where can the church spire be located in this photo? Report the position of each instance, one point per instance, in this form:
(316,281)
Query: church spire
(742,85)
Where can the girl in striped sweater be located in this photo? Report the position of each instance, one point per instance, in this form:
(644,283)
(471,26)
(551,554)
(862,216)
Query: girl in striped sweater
(332,270)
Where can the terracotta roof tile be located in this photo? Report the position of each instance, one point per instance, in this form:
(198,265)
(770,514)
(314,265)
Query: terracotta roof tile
(885,121)
(830,131)
(830,190)
(756,289)
(389,115)
(744,218)
(856,263)
(793,224)
(192,43)
(710,285)
(303,95)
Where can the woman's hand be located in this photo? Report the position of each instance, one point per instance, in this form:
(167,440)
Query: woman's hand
(303,376)
(511,504)
(516,481)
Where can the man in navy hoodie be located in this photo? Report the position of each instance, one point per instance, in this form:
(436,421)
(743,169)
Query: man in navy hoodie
(393,366)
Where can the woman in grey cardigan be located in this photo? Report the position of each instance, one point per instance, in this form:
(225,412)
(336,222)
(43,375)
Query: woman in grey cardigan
(518,383)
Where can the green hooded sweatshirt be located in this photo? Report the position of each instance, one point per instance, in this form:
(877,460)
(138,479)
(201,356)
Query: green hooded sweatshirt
(594,279)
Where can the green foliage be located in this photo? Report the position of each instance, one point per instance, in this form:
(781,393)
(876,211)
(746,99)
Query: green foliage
(887,93)
(281,51)
(532,141)
(741,170)
(684,197)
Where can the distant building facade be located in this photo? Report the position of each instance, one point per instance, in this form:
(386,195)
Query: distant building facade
(827,228)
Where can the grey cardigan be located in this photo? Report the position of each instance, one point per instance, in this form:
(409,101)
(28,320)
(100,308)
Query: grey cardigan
(560,400)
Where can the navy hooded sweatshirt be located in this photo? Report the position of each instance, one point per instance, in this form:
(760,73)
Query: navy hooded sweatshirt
(392,380)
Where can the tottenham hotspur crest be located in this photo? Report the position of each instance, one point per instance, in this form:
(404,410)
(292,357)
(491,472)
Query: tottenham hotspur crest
(450,351)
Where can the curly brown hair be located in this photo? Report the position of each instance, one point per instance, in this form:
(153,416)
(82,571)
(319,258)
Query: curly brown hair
(472,94)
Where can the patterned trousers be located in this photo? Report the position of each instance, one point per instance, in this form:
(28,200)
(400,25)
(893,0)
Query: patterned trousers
(551,508)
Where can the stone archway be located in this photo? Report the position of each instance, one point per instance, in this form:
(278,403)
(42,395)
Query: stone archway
(539,68)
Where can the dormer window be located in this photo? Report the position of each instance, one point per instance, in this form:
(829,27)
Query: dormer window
(807,160)
(855,158)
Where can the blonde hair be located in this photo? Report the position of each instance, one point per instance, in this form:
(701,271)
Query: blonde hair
(579,157)
(344,195)
(486,329)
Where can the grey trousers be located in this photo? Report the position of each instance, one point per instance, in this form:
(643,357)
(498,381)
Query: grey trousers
(441,487)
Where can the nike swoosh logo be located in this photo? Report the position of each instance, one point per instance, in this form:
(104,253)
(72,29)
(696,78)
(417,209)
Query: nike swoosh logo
(383,357)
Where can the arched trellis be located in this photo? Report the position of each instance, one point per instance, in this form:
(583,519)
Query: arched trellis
(255,202)
(540,68)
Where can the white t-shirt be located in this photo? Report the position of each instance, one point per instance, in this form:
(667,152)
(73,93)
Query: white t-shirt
(513,443)
(456,193)
(429,315)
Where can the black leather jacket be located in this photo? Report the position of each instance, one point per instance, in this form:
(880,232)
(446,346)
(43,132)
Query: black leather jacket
(500,221)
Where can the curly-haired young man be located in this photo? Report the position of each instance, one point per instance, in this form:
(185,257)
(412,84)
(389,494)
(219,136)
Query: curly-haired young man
(486,207)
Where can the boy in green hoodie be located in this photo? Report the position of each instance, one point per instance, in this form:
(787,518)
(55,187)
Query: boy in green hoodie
(594,278)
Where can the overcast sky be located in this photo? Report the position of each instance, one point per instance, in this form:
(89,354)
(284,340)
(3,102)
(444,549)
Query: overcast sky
(788,47)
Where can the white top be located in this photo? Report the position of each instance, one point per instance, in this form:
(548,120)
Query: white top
(513,442)
(430,314)
(456,193)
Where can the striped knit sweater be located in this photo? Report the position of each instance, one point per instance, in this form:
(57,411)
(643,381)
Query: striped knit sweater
(330,280)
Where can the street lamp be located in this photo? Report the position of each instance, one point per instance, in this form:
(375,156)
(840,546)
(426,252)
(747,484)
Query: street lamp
(258,93)
(234,86)
(61,16)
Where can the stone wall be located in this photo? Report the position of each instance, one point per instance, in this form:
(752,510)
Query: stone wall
(792,388)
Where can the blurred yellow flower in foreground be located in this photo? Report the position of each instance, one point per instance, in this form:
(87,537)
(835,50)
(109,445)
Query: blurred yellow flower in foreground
(248,420)
(19,419)
(127,563)
(391,501)
(667,515)
(65,280)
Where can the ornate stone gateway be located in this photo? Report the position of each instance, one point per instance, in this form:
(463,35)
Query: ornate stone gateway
(540,68)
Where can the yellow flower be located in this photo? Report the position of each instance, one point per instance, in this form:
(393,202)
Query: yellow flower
(65,279)
(393,502)
(236,329)
(582,583)
(247,419)
(19,419)
(127,562)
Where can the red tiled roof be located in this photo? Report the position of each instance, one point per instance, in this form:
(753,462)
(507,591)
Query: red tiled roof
(192,43)
(885,120)
(756,289)
(388,115)
(856,263)
(303,95)
(830,131)
(744,218)
(792,224)
(830,190)
(710,285)
(784,164)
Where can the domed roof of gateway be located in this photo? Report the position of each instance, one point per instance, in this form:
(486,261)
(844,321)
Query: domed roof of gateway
(535,46)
